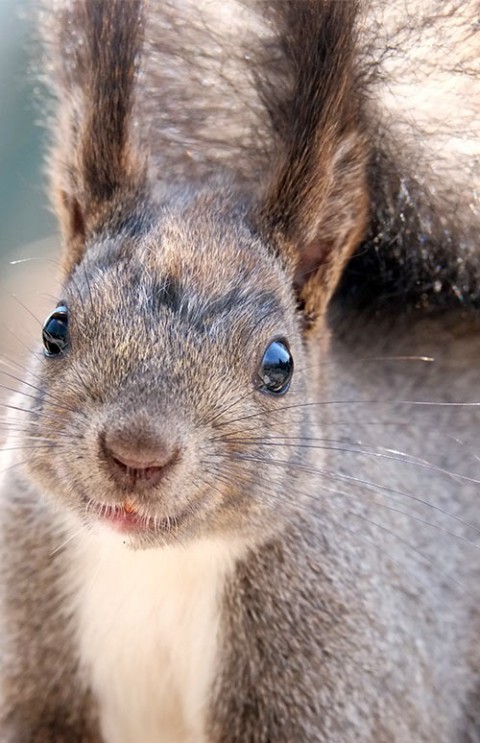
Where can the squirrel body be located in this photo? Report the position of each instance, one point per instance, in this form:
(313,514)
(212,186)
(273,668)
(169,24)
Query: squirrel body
(249,512)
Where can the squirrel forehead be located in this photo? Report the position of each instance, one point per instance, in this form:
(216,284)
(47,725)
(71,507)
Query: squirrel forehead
(199,272)
(211,256)
(212,251)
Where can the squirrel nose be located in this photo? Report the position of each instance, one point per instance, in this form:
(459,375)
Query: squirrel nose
(137,460)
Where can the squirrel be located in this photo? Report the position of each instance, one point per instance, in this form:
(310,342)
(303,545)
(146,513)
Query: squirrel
(241,496)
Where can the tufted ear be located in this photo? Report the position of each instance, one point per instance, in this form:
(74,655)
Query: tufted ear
(98,171)
(315,207)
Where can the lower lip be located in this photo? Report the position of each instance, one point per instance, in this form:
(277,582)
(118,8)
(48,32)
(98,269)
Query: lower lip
(124,521)
(131,522)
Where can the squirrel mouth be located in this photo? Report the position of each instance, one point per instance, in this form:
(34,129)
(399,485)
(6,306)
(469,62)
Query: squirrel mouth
(128,518)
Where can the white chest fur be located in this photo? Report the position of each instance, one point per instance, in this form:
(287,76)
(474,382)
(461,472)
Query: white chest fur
(148,625)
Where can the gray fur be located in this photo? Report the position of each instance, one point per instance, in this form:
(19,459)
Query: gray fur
(207,208)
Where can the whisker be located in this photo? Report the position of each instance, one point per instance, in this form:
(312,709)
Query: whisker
(380,452)
(7,361)
(295,406)
(418,552)
(38,389)
(351,479)
(425,558)
(406,514)
(469,448)
(26,426)
(19,439)
(29,351)
(30,448)
(34,397)
(24,307)
(365,360)
(439,404)
(69,539)
(35,413)
(13,466)
(229,407)
(354,402)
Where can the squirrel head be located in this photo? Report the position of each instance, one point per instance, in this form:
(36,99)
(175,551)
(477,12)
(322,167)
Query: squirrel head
(180,361)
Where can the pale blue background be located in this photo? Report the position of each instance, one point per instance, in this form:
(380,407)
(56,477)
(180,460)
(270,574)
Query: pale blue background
(24,215)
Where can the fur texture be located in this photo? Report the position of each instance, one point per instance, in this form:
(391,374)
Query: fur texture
(191,553)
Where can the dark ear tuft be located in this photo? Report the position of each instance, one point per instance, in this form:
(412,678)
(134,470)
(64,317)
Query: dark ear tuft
(315,207)
(98,169)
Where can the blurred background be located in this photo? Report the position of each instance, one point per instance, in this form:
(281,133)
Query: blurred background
(28,231)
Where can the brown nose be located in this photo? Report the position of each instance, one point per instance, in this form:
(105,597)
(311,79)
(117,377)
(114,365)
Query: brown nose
(137,460)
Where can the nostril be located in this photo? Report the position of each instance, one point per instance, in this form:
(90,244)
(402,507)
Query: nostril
(137,460)
(136,471)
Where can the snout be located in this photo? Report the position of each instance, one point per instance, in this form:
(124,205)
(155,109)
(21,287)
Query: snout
(138,458)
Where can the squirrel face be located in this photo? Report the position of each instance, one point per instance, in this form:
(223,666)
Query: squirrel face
(177,308)
(174,374)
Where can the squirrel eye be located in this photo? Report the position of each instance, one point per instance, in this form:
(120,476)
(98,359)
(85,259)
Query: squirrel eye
(276,369)
(55,332)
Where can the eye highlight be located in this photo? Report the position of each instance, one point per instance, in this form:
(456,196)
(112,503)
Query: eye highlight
(55,332)
(276,369)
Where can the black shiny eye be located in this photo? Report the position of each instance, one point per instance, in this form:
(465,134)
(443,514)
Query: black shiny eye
(276,369)
(55,332)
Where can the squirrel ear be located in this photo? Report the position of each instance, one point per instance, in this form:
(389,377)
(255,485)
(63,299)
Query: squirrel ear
(322,220)
(97,171)
(72,221)
(315,208)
